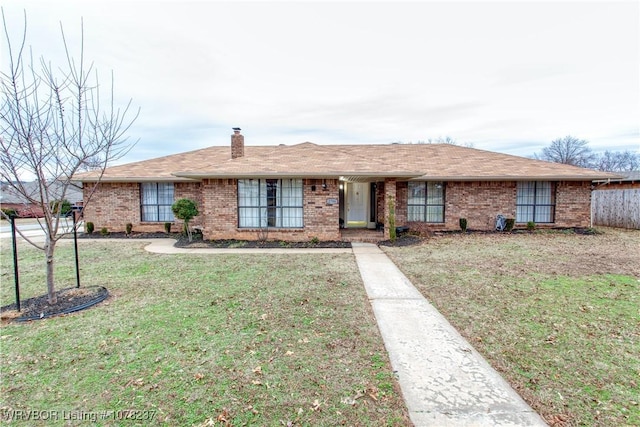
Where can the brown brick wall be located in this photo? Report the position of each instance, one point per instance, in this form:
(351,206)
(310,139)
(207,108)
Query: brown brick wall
(481,201)
(115,204)
(573,204)
(320,219)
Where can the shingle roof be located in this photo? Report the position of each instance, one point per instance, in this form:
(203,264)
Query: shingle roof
(403,161)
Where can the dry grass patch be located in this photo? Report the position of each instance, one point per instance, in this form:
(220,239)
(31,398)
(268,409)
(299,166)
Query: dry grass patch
(556,313)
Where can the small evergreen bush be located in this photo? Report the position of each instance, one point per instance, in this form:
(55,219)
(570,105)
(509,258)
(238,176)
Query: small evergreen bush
(463,224)
(104,231)
(89,227)
(531,226)
(11,213)
(167,227)
(128,228)
(509,224)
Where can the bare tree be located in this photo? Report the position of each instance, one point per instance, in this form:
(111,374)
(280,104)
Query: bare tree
(569,151)
(54,123)
(618,161)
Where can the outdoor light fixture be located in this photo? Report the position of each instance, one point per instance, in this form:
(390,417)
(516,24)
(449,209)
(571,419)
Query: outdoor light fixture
(324,184)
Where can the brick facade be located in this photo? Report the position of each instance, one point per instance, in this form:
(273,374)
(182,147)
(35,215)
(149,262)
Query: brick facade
(113,205)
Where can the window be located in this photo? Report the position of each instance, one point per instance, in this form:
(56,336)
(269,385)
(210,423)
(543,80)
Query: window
(156,200)
(535,201)
(270,203)
(425,201)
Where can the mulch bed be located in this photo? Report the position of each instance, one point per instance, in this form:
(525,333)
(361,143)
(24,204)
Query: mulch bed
(70,300)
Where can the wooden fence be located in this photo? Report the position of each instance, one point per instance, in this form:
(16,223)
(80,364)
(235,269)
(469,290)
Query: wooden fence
(617,208)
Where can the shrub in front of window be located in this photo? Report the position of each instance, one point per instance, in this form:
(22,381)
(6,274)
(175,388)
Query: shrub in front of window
(531,225)
(186,210)
(463,224)
(89,227)
(167,227)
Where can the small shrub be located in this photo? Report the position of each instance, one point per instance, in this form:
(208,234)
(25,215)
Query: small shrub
(167,227)
(392,220)
(11,213)
(104,231)
(531,226)
(463,224)
(89,227)
(128,228)
(60,207)
(509,224)
(315,240)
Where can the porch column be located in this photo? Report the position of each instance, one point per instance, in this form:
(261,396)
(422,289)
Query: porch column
(389,197)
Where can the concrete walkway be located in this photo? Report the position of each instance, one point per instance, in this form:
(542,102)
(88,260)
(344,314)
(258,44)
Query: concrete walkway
(166,246)
(445,382)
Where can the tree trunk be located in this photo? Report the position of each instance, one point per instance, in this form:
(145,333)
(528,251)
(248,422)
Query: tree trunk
(49,248)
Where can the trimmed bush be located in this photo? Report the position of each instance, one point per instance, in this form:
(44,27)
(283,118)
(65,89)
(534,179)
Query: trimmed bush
(463,224)
(531,225)
(11,213)
(167,227)
(509,224)
(128,228)
(104,231)
(89,227)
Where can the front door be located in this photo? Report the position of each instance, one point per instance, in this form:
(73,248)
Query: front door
(357,198)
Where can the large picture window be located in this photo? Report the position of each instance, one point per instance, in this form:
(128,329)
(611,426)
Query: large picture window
(270,203)
(156,200)
(536,201)
(425,201)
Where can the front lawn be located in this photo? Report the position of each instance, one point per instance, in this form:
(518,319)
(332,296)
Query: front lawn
(558,314)
(200,340)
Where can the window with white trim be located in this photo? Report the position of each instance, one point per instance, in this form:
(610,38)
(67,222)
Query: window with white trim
(425,201)
(536,201)
(270,203)
(156,199)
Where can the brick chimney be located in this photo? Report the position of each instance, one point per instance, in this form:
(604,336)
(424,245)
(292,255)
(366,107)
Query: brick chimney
(237,144)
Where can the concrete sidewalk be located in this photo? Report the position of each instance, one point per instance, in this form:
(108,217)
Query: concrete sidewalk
(445,382)
(166,246)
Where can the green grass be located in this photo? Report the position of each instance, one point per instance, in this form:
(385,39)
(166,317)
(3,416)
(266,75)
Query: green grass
(557,314)
(197,339)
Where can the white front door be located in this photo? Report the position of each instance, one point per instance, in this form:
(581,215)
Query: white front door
(357,202)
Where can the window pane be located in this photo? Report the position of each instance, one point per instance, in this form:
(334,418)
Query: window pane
(524,213)
(435,193)
(415,213)
(417,193)
(525,193)
(435,214)
(150,213)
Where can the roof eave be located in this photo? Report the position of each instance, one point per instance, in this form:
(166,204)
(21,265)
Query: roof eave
(263,175)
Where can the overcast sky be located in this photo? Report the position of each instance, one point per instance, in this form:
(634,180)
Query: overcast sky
(502,76)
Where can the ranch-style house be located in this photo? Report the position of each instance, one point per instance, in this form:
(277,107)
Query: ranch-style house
(306,191)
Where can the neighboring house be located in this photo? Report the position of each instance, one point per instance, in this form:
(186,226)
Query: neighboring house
(298,192)
(616,202)
(11,199)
